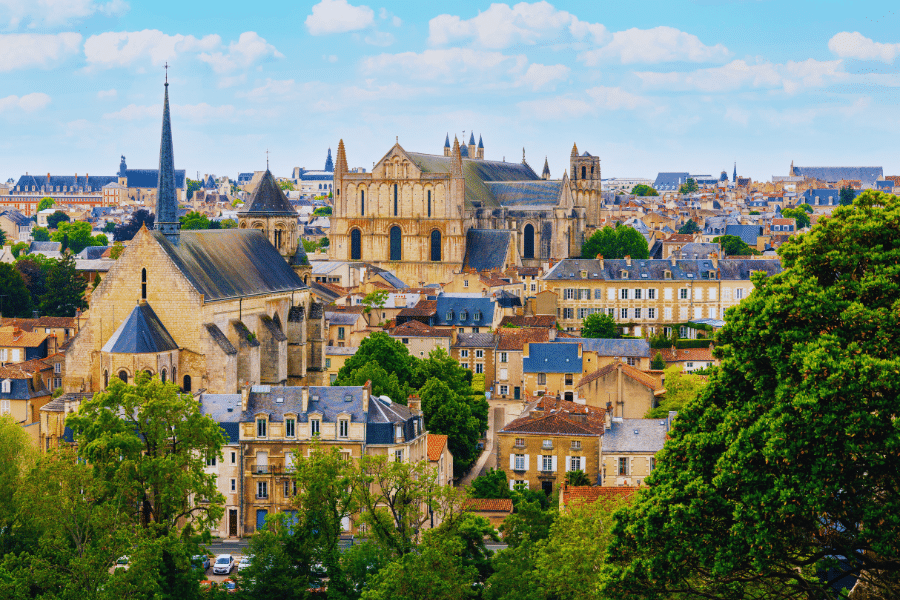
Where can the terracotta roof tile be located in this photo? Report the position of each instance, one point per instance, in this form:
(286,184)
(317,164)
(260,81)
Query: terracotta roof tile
(488,505)
(417,329)
(560,417)
(684,354)
(515,339)
(30,324)
(436,445)
(21,339)
(532,321)
(588,494)
(645,379)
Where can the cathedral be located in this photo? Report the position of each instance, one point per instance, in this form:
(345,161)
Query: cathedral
(426,216)
(213,310)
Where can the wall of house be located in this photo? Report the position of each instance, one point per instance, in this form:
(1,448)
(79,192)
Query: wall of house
(630,399)
(532,446)
(638,468)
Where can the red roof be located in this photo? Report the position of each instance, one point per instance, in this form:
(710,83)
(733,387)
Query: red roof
(588,494)
(489,505)
(436,445)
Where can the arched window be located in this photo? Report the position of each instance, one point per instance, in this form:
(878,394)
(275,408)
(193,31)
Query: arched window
(187,383)
(278,239)
(355,245)
(162,376)
(123,375)
(396,249)
(143,284)
(528,242)
(362,202)
(174,375)
(105,379)
(436,245)
(429,206)
(583,172)
(396,205)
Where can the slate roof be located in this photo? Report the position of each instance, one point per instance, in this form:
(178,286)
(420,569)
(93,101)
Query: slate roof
(92,252)
(330,401)
(342,318)
(866,175)
(526,193)
(747,233)
(95,182)
(341,350)
(58,404)
(653,270)
(230,263)
(16,217)
(826,197)
(220,338)
(141,333)
(21,384)
(506,299)
(486,249)
(453,310)
(702,250)
(606,347)
(650,435)
(670,181)
(224,409)
(436,445)
(268,199)
(477,174)
(475,340)
(45,247)
(552,357)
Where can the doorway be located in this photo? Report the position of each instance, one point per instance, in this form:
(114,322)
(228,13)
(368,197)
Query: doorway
(232,522)
(547,486)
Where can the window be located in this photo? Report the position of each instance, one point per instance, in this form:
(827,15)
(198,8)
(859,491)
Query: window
(314,427)
(623,467)
(631,361)
(683,294)
(569,378)
(651,294)
(234,458)
(689,365)
(429,203)
(652,463)
(576,444)
(568,313)
(210,461)
(668,293)
(738,293)
(261,428)
(623,294)
(143,284)
(575,463)
(623,313)
(4,404)
(464,353)
(528,242)
(398,456)
(435,246)
(651,313)
(362,202)
(57,368)
(712,293)
(396,205)
(341,333)
(611,312)
(234,485)
(504,390)
(503,357)
(547,444)
(479,354)
(547,462)
(534,287)
(355,244)
(637,313)
(262,489)
(187,383)
(542,378)
(476,317)
(289,427)
(479,367)
(637,294)
(344,428)
(396,248)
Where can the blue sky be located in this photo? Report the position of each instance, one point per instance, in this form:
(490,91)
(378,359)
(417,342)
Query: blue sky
(650,86)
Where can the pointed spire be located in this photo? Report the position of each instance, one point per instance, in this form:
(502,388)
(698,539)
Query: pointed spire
(472,138)
(546,173)
(523,155)
(329,164)
(341,158)
(574,149)
(166,199)
(480,143)
(735,172)
(456,163)
(447,141)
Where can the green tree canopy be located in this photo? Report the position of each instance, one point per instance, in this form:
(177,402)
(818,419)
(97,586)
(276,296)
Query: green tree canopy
(56,218)
(15,300)
(690,227)
(34,274)
(109,227)
(376,299)
(192,186)
(286,185)
(688,187)
(617,242)
(492,485)
(19,248)
(194,220)
(681,388)
(599,325)
(643,190)
(786,459)
(65,289)
(658,363)
(45,203)
(383,350)
(846,196)
(78,236)
(322,211)
(2,239)
(463,419)
(799,215)
(383,383)
(732,245)
(806,207)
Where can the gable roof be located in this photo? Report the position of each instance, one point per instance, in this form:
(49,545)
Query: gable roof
(588,494)
(636,435)
(555,424)
(747,233)
(436,444)
(142,332)
(486,249)
(645,379)
(268,199)
(515,339)
(488,505)
(230,263)
(419,329)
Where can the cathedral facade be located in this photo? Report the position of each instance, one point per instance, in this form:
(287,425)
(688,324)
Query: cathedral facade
(426,216)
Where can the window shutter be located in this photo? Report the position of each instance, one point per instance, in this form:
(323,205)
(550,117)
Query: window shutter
(568,463)
(610,294)
(512,484)
(553,463)
(527,462)
(512,462)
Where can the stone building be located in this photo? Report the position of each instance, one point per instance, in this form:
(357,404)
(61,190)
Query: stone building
(214,310)
(427,216)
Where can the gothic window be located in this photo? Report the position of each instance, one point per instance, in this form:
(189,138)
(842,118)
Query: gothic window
(278,238)
(105,379)
(162,376)
(528,242)
(362,202)
(396,250)
(143,284)
(123,375)
(187,383)
(355,245)
(429,203)
(435,245)
(583,172)
(396,205)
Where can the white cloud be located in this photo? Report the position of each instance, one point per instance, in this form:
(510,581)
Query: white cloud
(27,103)
(191,112)
(856,45)
(538,75)
(332,58)
(590,102)
(103,94)
(272,90)
(338,16)
(249,49)
(384,15)
(791,76)
(379,38)
(30,50)
(123,48)
(448,64)
(660,44)
(53,13)
(501,26)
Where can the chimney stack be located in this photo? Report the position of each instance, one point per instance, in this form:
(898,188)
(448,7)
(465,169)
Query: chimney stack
(304,399)
(245,397)
(414,404)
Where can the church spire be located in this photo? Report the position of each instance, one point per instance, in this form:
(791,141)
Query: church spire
(734,179)
(546,173)
(329,164)
(166,198)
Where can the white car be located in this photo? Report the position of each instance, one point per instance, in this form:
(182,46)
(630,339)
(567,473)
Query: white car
(243,563)
(224,564)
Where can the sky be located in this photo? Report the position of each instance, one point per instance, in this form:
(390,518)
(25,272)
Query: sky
(648,87)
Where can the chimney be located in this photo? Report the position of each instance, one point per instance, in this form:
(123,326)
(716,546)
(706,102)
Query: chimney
(367,392)
(600,260)
(672,259)
(627,260)
(714,258)
(608,416)
(551,333)
(304,399)
(245,397)
(414,404)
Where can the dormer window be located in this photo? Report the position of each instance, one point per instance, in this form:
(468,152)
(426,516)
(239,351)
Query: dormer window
(624,274)
(667,275)
(463,315)
(477,315)
(449,315)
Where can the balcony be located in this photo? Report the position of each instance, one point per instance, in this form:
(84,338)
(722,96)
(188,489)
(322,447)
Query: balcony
(262,496)
(268,469)
(547,445)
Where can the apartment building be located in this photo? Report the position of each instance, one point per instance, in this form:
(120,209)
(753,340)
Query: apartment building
(630,447)
(644,296)
(552,368)
(475,351)
(511,342)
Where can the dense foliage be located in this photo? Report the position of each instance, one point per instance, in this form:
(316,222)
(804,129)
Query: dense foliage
(690,227)
(617,242)
(688,187)
(732,245)
(15,301)
(127,230)
(643,190)
(76,236)
(64,289)
(799,215)
(781,477)
(599,325)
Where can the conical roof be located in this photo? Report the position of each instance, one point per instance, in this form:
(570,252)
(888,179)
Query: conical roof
(141,333)
(447,141)
(269,199)
(480,143)
(472,139)
(546,167)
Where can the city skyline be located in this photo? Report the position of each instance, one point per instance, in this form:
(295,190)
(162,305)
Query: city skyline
(688,88)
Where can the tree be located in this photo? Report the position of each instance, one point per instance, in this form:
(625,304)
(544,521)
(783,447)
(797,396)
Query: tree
(40,234)
(658,363)
(806,207)
(65,289)
(783,463)
(322,211)
(643,190)
(15,301)
(282,561)
(617,242)
(56,218)
(491,485)
(846,196)
(34,275)
(577,478)
(155,463)
(689,228)
(78,235)
(462,419)
(732,245)
(192,186)
(127,230)
(324,242)
(383,383)
(681,388)
(194,220)
(116,250)
(18,249)
(286,185)
(598,325)
(228,224)
(376,299)
(45,203)
(688,187)
(2,238)
(109,227)
(17,455)
(383,350)
(799,215)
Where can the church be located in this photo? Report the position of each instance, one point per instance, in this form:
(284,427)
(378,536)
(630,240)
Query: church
(211,310)
(426,216)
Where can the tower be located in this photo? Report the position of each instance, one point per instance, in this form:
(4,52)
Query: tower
(734,179)
(270,211)
(480,153)
(546,172)
(329,165)
(471,148)
(447,145)
(166,199)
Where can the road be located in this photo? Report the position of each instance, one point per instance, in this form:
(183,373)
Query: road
(486,455)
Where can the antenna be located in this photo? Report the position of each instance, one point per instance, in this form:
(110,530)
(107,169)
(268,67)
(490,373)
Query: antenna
(267,159)
(167,73)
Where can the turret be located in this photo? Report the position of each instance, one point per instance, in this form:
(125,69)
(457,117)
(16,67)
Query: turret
(447,148)
(546,172)
(472,148)
(480,148)
(456,163)
(329,165)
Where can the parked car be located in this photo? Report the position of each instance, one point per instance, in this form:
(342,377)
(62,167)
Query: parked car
(201,561)
(229,585)
(243,563)
(224,564)
(122,563)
